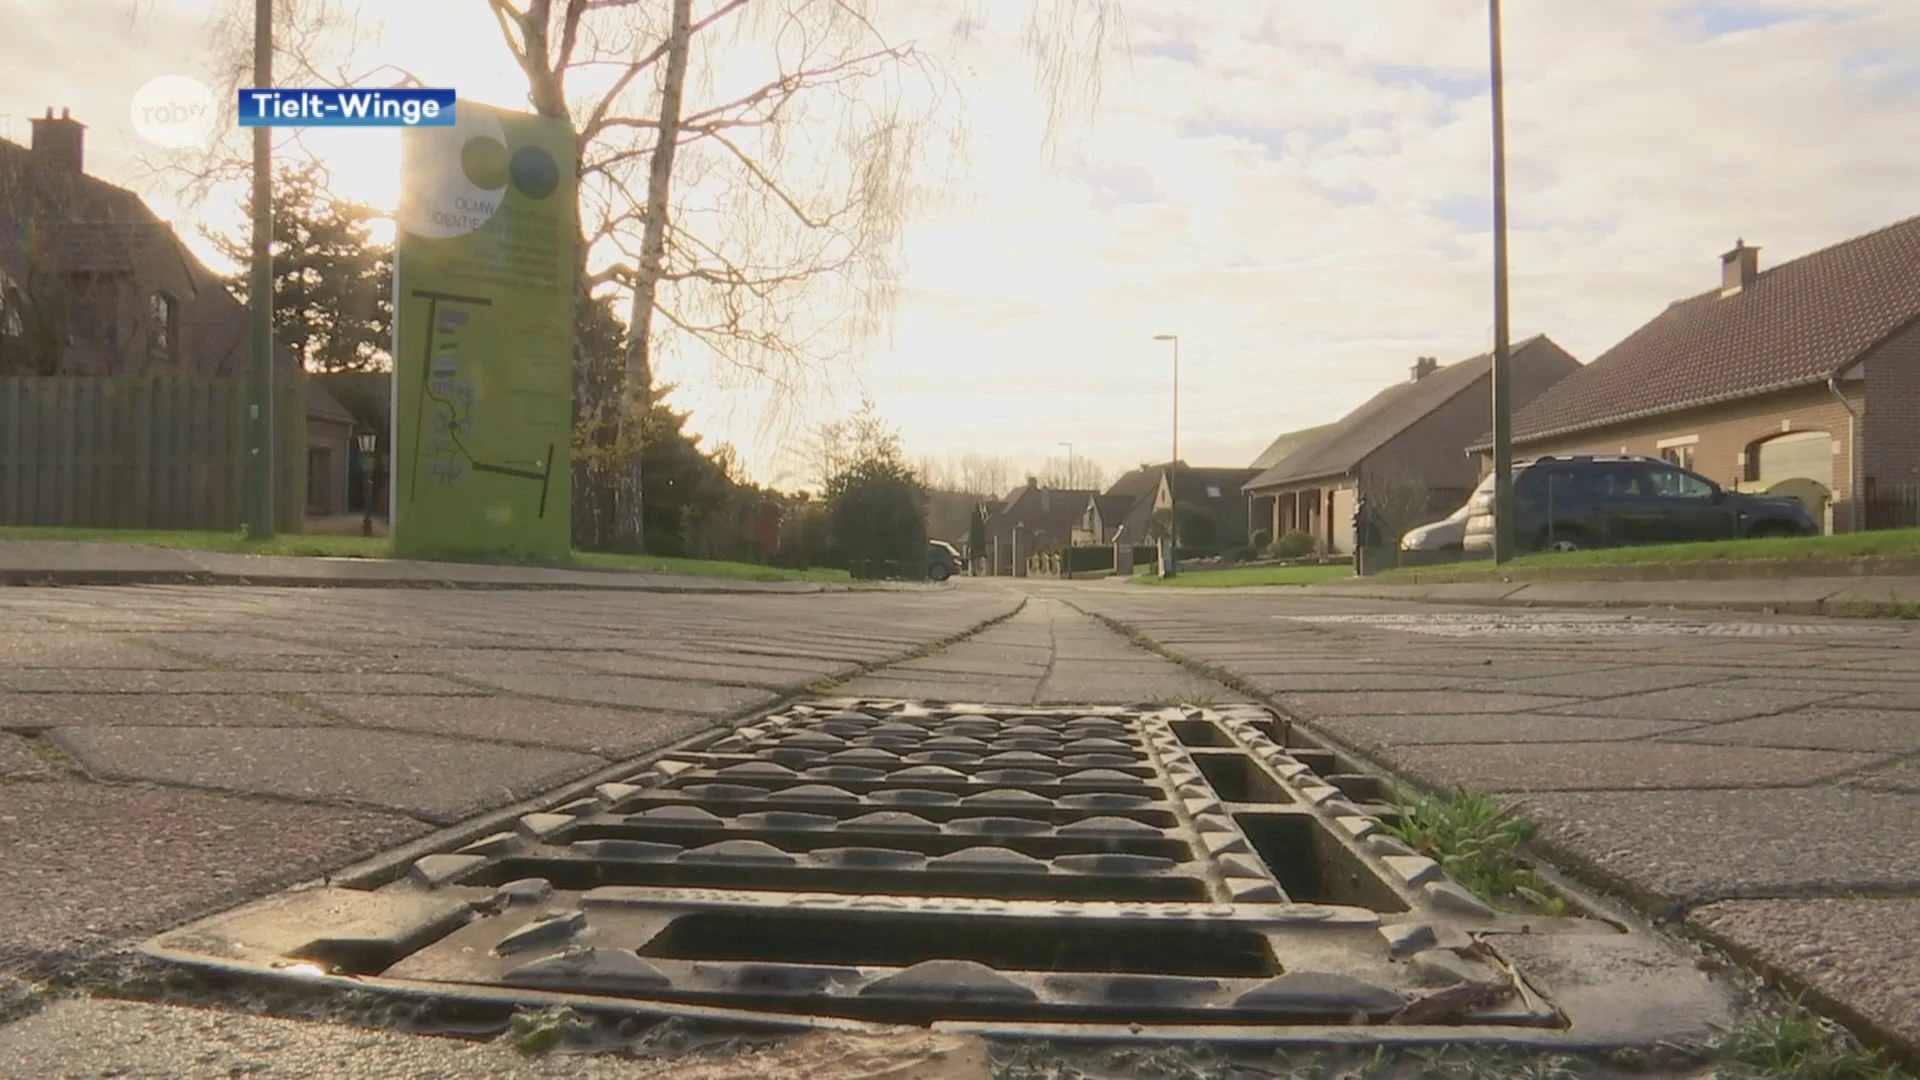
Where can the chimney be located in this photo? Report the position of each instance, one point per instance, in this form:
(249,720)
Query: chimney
(1424,367)
(59,141)
(1738,268)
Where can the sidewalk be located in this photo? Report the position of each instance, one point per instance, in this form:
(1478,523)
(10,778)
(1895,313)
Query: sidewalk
(36,562)
(1781,595)
(1754,780)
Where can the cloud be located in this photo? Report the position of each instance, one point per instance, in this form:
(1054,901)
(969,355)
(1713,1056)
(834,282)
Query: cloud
(1301,191)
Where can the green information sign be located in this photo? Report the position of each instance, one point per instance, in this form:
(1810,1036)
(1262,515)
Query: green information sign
(482,337)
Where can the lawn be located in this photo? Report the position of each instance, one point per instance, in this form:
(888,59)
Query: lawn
(1248,575)
(359,547)
(1885,544)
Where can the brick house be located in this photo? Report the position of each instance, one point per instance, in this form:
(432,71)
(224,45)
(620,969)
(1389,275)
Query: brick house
(1037,518)
(1803,379)
(93,283)
(1260,508)
(1212,512)
(1405,448)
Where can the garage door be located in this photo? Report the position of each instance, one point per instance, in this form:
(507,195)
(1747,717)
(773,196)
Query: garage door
(1803,455)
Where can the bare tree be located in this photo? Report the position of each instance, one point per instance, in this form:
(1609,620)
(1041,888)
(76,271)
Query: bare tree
(1397,500)
(1078,474)
(985,475)
(768,239)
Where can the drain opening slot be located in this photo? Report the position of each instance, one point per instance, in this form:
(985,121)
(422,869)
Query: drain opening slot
(1237,778)
(1312,866)
(582,874)
(804,840)
(1361,788)
(1199,733)
(1006,944)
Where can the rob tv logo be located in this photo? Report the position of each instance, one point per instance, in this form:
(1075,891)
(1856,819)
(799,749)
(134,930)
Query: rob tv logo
(175,112)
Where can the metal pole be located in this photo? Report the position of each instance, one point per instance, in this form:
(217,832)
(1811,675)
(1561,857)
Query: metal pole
(1503,538)
(260,448)
(1070,476)
(366,494)
(1173,468)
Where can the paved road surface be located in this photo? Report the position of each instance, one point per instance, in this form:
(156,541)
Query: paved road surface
(166,751)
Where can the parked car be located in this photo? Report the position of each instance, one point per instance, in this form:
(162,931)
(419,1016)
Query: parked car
(1447,534)
(943,560)
(1565,503)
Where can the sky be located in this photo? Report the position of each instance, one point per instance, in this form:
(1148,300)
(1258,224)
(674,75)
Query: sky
(1299,190)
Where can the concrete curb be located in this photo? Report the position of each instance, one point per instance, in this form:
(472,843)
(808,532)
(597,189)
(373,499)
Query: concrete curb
(28,563)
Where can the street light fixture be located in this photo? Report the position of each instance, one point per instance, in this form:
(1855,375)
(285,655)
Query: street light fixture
(1173,507)
(369,440)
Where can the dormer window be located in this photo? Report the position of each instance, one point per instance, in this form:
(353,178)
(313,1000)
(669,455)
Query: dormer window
(163,322)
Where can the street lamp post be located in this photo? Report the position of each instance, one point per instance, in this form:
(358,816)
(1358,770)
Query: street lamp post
(368,440)
(1173,469)
(1503,537)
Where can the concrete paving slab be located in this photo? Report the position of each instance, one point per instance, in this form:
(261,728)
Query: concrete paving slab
(440,780)
(152,710)
(232,644)
(983,691)
(19,760)
(635,692)
(1865,953)
(92,861)
(1492,728)
(1614,765)
(1616,681)
(223,682)
(1290,683)
(67,648)
(1706,704)
(1900,776)
(953,662)
(138,1041)
(1817,728)
(604,732)
(1885,699)
(728,673)
(1164,682)
(1415,703)
(1730,843)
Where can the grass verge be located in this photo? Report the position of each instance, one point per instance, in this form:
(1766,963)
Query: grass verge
(1238,576)
(364,547)
(1881,544)
(1791,1043)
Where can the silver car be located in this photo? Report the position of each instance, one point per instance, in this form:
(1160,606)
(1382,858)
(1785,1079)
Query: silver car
(1447,534)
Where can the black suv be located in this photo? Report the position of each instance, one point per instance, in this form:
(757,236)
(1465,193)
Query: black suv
(1587,501)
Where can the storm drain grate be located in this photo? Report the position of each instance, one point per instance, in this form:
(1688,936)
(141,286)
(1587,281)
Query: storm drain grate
(1103,869)
(1458,624)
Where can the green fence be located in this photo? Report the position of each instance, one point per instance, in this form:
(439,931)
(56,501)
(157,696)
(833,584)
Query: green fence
(141,453)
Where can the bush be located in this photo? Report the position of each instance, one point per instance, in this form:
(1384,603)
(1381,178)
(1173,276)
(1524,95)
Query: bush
(1294,545)
(876,512)
(1244,553)
(1088,558)
(1262,539)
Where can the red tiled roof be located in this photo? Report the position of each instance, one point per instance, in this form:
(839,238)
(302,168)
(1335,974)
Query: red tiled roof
(1801,322)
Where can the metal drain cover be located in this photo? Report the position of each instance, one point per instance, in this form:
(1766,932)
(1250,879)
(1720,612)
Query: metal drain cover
(1570,624)
(1091,871)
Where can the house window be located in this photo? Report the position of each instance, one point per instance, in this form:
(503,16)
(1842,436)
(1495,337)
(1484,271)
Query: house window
(1212,492)
(1679,451)
(163,326)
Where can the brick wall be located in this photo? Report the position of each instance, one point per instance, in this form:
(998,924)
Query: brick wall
(1726,435)
(1891,430)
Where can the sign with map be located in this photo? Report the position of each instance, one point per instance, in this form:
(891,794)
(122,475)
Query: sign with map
(482,337)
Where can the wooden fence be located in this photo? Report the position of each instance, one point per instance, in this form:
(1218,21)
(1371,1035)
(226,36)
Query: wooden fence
(140,453)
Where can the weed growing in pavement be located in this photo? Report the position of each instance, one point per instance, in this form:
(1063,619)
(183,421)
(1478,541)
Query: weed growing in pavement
(1478,843)
(1042,1061)
(538,1032)
(1792,1043)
